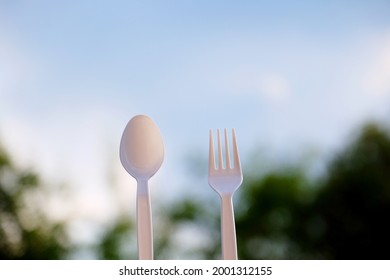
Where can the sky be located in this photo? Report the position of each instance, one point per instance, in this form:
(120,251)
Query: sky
(289,76)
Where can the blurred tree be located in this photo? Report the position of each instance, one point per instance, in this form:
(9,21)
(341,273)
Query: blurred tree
(25,232)
(354,200)
(115,239)
(272,218)
(344,216)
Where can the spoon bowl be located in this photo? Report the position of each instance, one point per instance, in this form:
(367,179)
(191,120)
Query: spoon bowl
(141,148)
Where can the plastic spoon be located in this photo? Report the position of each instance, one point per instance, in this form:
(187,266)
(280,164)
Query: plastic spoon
(141,154)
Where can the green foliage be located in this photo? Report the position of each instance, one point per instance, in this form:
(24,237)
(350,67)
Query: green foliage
(275,216)
(355,199)
(114,239)
(343,216)
(25,232)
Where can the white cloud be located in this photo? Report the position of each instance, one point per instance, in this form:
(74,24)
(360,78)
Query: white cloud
(377,77)
(12,66)
(271,86)
(274,86)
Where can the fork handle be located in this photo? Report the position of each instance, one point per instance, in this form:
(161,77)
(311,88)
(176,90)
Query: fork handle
(144,222)
(228,228)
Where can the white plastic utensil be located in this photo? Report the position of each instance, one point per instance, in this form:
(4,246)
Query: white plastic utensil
(225,178)
(141,154)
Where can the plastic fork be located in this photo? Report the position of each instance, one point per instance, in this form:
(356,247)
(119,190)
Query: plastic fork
(225,178)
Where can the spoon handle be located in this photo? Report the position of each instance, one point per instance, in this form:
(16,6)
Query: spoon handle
(144,222)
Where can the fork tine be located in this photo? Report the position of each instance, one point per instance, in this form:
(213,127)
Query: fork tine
(237,164)
(211,153)
(220,160)
(227,155)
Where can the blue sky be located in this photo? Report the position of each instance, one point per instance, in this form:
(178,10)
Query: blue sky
(286,74)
